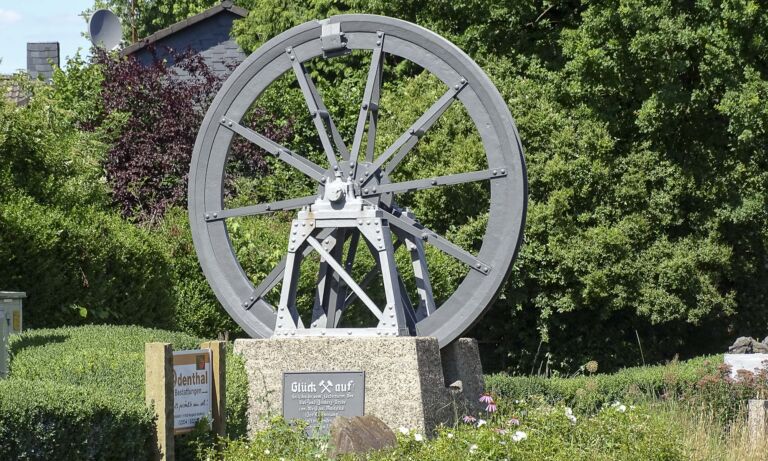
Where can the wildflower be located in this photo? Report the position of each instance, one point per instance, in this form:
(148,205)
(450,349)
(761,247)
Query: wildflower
(499,430)
(621,408)
(418,437)
(486,398)
(591,366)
(480,422)
(404,430)
(490,408)
(473,448)
(449,435)
(469,419)
(266,452)
(519,436)
(513,422)
(569,415)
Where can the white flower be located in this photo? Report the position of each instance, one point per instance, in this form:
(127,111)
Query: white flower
(473,448)
(449,435)
(266,452)
(519,435)
(621,408)
(571,418)
(404,430)
(418,437)
(568,411)
(480,422)
(615,404)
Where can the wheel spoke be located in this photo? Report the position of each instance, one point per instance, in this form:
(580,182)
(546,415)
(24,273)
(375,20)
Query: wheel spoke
(414,228)
(319,112)
(429,183)
(407,140)
(302,164)
(370,104)
(369,276)
(261,208)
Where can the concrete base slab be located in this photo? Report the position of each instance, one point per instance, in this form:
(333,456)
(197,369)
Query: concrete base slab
(406,380)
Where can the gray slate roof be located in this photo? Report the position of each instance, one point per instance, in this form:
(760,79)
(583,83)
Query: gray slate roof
(41,58)
(226,5)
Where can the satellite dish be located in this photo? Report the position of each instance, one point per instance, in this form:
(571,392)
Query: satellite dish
(105,30)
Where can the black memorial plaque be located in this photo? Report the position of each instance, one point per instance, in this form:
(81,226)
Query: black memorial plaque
(318,397)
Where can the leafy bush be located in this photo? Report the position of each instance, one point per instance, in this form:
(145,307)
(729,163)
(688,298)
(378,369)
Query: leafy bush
(111,358)
(590,393)
(52,420)
(82,266)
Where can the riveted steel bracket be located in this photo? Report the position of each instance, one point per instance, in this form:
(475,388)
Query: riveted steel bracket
(332,39)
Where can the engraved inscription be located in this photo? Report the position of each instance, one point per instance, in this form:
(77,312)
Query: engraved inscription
(318,397)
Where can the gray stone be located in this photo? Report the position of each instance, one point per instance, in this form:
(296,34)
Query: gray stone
(461,364)
(404,377)
(759,348)
(742,345)
(359,434)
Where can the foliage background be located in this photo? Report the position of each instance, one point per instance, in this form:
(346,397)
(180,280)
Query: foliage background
(645,126)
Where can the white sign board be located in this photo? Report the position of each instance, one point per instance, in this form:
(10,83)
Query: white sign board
(749,362)
(192,377)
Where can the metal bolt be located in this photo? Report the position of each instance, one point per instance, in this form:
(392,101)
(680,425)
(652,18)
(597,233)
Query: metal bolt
(251,298)
(336,167)
(365,106)
(293,333)
(224,120)
(359,221)
(215,215)
(304,224)
(412,131)
(434,182)
(277,154)
(207,217)
(323,179)
(424,236)
(294,232)
(503,171)
(379,239)
(367,173)
(288,50)
(293,240)
(245,304)
(279,316)
(229,123)
(365,191)
(485,269)
(323,333)
(463,80)
(351,164)
(378,42)
(374,189)
(494,172)
(456,87)
(379,34)
(378,230)
(295,224)
(368,222)
(293,58)
(477,265)
(269,207)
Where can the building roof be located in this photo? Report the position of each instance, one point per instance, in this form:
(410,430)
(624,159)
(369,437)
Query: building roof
(13,91)
(225,6)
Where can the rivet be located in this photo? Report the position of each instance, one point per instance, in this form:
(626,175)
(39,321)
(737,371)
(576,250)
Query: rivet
(294,232)
(434,182)
(374,189)
(336,167)
(229,123)
(288,50)
(463,80)
(503,171)
(295,224)
(478,265)
(377,231)
(269,207)
(304,224)
(351,164)
(412,131)
(280,316)
(359,221)
(365,107)
(215,215)
(293,58)
(223,120)
(366,173)
(365,191)
(368,222)
(207,217)
(277,154)
(378,42)
(485,269)
(378,34)
(349,333)
(251,298)
(245,304)
(293,333)
(293,240)
(456,87)
(323,333)
(494,171)
(424,236)
(379,239)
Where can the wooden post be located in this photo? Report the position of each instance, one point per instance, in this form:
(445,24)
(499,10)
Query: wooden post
(158,375)
(218,385)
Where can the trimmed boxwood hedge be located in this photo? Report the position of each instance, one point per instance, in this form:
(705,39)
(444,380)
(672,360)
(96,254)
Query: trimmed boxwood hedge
(77,393)
(589,393)
(47,420)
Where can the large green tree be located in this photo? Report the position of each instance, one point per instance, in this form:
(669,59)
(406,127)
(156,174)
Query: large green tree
(645,125)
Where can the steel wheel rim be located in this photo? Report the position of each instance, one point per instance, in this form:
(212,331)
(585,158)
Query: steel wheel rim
(486,107)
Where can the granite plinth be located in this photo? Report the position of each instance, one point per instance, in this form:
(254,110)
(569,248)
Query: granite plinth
(405,378)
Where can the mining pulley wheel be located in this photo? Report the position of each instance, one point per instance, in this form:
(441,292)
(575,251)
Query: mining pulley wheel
(355,202)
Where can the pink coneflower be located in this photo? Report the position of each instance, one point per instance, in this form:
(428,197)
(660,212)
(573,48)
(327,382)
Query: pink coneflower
(486,398)
(469,419)
(498,430)
(490,408)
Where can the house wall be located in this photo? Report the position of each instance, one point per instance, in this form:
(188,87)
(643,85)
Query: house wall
(211,37)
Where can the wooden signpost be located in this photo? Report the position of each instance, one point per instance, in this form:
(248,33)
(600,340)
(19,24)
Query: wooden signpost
(184,387)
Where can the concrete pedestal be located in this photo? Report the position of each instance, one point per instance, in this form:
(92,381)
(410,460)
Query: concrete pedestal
(406,380)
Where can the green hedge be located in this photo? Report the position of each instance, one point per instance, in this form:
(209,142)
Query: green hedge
(82,266)
(89,381)
(48,420)
(589,393)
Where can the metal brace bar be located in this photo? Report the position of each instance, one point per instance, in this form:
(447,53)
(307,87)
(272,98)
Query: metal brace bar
(374,76)
(261,208)
(417,130)
(302,164)
(428,183)
(437,241)
(345,276)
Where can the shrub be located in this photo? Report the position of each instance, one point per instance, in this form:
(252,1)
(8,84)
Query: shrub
(82,266)
(49,420)
(111,358)
(589,393)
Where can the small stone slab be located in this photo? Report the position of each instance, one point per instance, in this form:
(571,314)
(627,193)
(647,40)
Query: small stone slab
(359,434)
